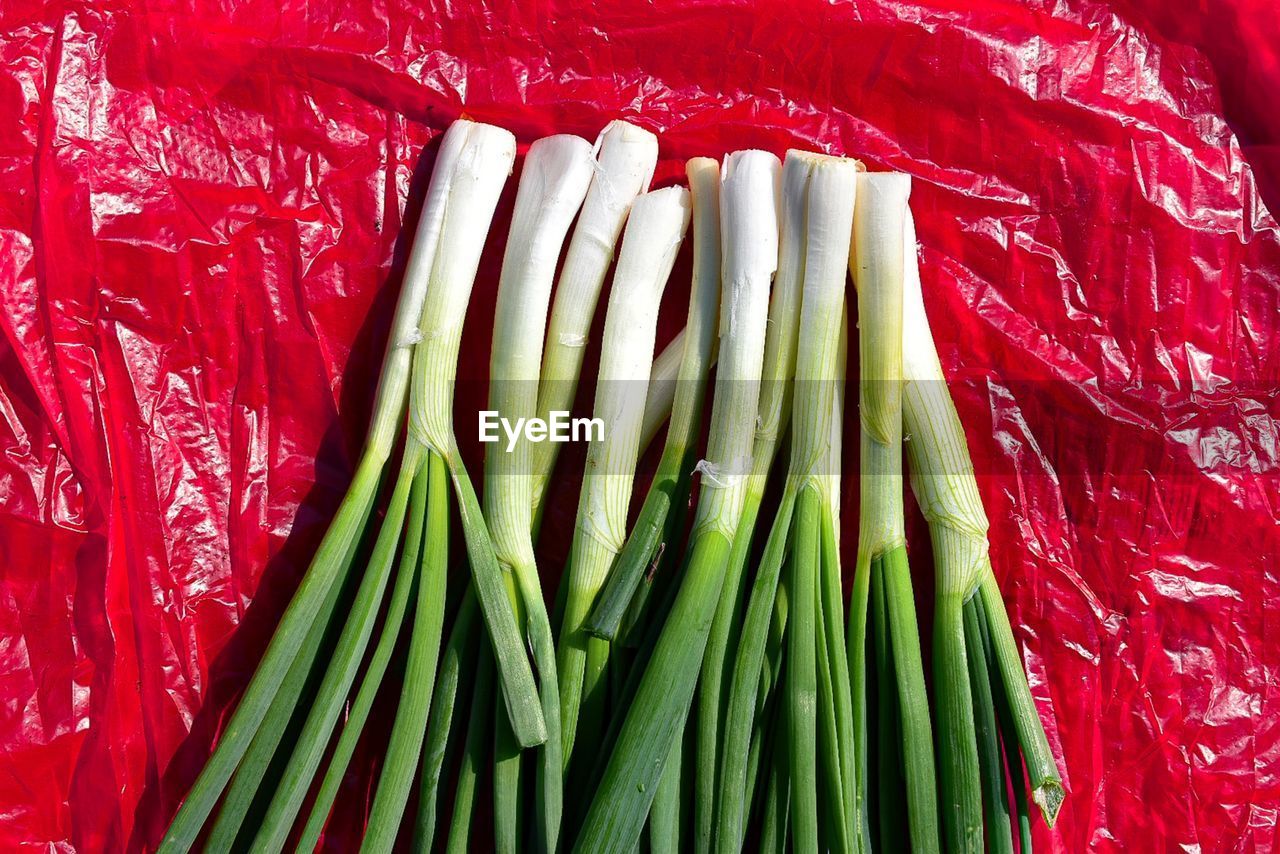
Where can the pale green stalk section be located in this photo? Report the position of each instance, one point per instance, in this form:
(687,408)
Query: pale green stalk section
(653,236)
(833,589)
(625,159)
(435,371)
(882,200)
(557,173)
(749,226)
(941,471)
(946,489)
(773,415)
(697,341)
(466,146)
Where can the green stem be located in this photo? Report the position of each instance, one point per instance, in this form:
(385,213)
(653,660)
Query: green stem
(343,666)
(890,787)
(994,783)
(958,766)
(507,814)
(1046,783)
(409,728)
(744,688)
(643,546)
(402,594)
(621,803)
(1008,734)
(913,703)
(802,677)
(713,687)
(515,675)
(862,617)
(665,819)
(548,780)
(284,715)
(328,567)
(833,811)
(777,805)
(842,697)
(473,757)
(441,726)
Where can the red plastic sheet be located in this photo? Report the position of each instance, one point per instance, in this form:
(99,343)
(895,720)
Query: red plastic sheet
(202,215)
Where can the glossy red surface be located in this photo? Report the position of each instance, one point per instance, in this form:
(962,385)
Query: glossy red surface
(202,224)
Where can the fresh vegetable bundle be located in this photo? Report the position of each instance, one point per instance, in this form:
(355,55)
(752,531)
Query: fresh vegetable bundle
(696,685)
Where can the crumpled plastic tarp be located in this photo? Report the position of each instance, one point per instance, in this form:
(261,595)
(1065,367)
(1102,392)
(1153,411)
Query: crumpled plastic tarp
(202,228)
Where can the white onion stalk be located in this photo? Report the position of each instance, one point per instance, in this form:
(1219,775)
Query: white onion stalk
(431,424)
(749,226)
(820,714)
(971,624)
(557,172)
(626,156)
(653,236)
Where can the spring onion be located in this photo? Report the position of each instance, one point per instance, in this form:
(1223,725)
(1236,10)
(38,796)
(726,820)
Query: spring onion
(772,420)
(557,172)
(876,262)
(442,723)
(817,192)
(749,224)
(943,481)
(471,168)
(653,236)
(669,490)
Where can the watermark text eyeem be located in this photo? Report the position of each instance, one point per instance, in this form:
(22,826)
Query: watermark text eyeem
(558,427)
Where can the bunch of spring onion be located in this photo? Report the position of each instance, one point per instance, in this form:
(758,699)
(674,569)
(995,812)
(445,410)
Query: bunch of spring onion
(690,689)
